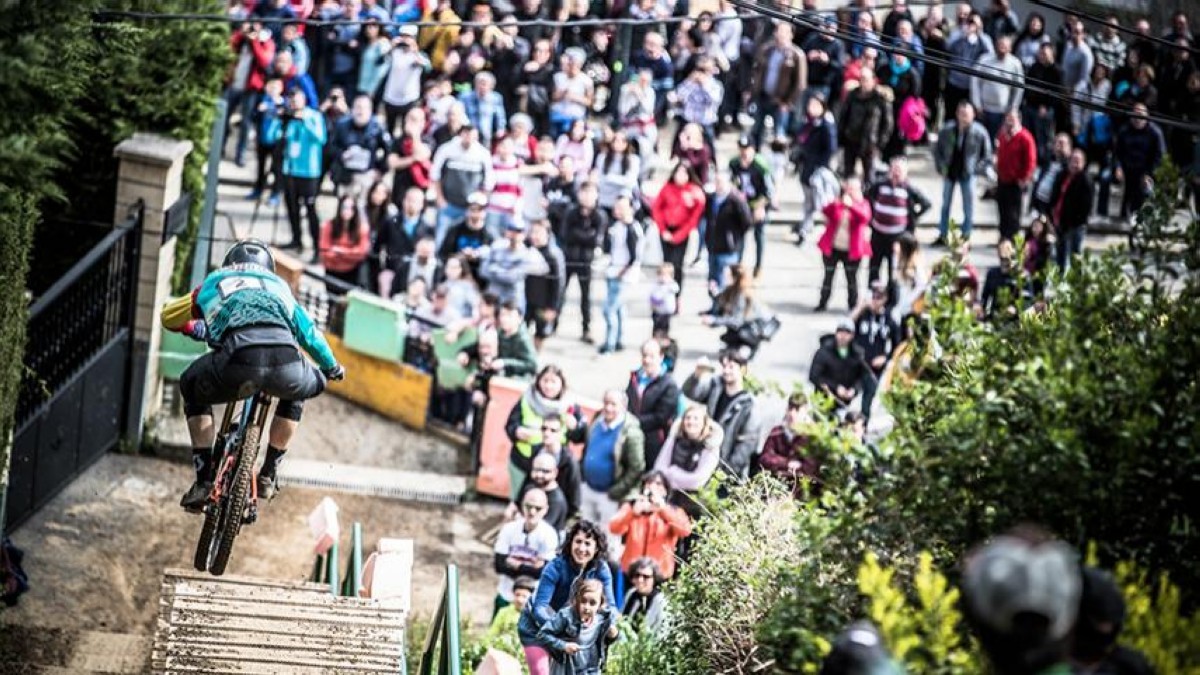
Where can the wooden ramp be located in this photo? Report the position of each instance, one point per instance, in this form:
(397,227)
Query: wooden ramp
(234,624)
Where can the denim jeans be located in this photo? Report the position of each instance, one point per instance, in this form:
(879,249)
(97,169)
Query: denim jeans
(247,101)
(1070,244)
(447,217)
(967,185)
(717,262)
(614,313)
(768,108)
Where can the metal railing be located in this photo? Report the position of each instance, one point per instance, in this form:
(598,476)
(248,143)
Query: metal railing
(443,644)
(326,570)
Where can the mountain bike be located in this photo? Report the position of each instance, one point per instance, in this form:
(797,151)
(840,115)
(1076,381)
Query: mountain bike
(234,498)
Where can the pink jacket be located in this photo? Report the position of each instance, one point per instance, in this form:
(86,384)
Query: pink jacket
(860,227)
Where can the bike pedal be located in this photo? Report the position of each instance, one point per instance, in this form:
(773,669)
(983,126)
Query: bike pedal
(251,515)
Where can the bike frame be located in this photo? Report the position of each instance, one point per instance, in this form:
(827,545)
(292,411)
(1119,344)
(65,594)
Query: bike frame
(253,410)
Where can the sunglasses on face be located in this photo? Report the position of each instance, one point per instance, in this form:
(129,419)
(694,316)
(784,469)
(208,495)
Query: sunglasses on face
(643,575)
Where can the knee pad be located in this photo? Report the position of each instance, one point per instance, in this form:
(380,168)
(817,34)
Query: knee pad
(290,410)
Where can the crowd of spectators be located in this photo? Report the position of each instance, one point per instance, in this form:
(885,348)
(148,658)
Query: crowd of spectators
(486,154)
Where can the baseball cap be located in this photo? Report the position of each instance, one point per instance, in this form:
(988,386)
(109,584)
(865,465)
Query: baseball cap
(879,287)
(477,199)
(409,31)
(1011,577)
(846,325)
(745,142)
(515,225)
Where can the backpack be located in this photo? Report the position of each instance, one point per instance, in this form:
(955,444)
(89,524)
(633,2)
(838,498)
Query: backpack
(911,119)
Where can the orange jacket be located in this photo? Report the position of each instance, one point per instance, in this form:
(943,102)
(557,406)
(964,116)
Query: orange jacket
(653,535)
(343,254)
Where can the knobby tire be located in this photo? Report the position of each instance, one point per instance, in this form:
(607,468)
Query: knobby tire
(239,495)
(212,519)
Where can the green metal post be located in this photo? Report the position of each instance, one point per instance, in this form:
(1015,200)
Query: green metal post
(356,559)
(451,658)
(333,568)
(318,569)
(202,250)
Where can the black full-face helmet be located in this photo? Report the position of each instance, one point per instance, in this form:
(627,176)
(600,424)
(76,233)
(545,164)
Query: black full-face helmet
(250,252)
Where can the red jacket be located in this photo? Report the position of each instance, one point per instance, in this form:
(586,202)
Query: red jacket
(1016,157)
(860,228)
(343,254)
(653,535)
(781,449)
(677,211)
(262,53)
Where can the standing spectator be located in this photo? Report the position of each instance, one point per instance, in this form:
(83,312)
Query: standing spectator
(1072,205)
(845,240)
(407,64)
(817,144)
(543,475)
(611,465)
(729,221)
(824,53)
(507,266)
(1096,89)
(963,147)
(1077,58)
(690,457)
(485,108)
(839,368)
(460,168)
(302,132)
(752,177)
(506,200)
(345,243)
(411,156)
(651,526)
(910,277)
(1030,41)
(573,95)
(875,332)
(268,153)
(1016,160)
(965,50)
(1041,113)
(254,52)
(635,113)
(421,264)
(932,31)
(677,211)
(729,31)
(523,547)
(536,85)
(543,292)
(1056,164)
(566,475)
(1139,150)
(1107,46)
(623,244)
(1001,21)
(584,556)
(896,206)
(900,12)
(864,126)
(664,300)
(471,237)
(786,453)
(727,402)
(396,237)
(439,32)
(645,604)
(700,97)
(577,144)
(653,57)
(583,230)
(359,147)
(373,62)
(617,171)
(780,74)
(546,397)
(995,99)
(653,398)
(904,80)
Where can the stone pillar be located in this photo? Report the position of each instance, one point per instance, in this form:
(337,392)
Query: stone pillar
(152,171)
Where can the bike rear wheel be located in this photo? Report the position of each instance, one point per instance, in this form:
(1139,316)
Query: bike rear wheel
(238,498)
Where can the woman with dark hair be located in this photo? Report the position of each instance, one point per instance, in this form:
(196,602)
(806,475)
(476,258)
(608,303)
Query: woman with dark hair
(343,246)
(617,171)
(546,397)
(1031,39)
(645,605)
(584,555)
(677,211)
(651,525)
(735,308)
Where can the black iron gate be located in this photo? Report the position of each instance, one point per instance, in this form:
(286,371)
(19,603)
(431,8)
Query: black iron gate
(75,388)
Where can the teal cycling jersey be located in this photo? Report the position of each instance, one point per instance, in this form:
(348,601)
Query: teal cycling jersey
(248,295)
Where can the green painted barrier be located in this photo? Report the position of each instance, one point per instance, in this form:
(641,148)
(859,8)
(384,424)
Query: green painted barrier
(375,326)
(444,638)
(176,352)
(451,375)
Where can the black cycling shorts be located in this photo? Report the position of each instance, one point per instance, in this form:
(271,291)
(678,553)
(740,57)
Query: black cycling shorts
(222,377)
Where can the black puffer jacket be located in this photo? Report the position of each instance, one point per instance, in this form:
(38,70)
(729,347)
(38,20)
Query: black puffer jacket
(866,120)
(830,370)
(582,233)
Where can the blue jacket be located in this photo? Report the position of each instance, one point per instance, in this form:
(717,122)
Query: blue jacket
(554,592)
(488,115)
(304,142)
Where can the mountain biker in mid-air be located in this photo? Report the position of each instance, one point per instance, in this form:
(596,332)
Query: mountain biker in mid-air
(256,328)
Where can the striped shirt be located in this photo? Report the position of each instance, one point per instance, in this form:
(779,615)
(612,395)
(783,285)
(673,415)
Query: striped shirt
(506,195)
(890,209)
